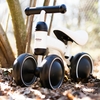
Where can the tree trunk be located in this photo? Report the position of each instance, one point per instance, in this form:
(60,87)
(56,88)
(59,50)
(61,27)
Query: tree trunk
(46,3)
(3,61)
(6,55)
(54,3)
(18,24)
(29,27)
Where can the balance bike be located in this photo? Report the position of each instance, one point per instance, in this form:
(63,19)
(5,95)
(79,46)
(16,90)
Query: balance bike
(51,67)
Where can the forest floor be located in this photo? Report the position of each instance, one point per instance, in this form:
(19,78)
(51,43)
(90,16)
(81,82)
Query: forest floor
(89,90)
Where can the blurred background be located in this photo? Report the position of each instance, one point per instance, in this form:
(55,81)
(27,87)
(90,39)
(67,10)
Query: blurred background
(81,14)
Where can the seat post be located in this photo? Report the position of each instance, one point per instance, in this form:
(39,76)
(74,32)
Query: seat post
(68,50)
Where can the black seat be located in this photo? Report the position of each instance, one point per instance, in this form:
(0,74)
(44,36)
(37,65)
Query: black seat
(62,36)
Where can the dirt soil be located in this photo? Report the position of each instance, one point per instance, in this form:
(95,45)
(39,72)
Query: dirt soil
(84,90)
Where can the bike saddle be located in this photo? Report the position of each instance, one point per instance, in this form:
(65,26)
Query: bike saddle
(64,34)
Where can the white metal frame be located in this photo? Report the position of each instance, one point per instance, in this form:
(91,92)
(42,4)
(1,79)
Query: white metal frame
(80,37)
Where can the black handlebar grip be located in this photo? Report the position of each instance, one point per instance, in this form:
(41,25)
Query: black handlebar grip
(47,9)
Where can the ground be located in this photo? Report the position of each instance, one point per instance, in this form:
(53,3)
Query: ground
(85,90)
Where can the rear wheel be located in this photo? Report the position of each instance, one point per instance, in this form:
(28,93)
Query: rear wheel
(81,66)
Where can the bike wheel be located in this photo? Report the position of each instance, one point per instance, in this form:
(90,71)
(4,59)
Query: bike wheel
(81,66)
(23,69)
(52,72)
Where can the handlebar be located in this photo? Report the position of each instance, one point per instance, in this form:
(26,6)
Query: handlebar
(48,9)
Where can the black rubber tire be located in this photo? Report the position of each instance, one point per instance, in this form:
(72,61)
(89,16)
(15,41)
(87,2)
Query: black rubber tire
(81,66)
(52,72)
(23,69)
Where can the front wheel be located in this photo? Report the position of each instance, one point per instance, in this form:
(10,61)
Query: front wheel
(23,69)
(52,72)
